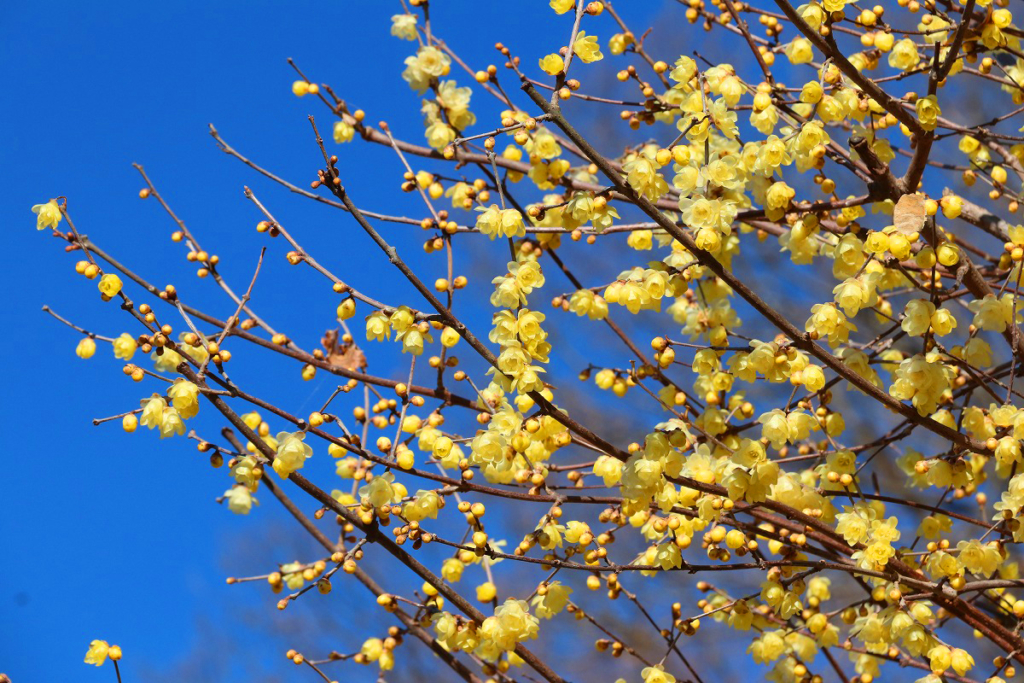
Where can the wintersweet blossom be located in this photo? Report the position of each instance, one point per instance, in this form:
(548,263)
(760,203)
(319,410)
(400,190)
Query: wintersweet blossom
(495,222)
(98,652)
(124,346)
(292,453)
(86,348)
(587,48)
(184,397)
(110,285)
(806,457)
(404,26)
(48,215)
(552,64)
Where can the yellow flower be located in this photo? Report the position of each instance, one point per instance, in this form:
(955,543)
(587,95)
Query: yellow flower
(424,505)
(904,55)
(994,314)
(428,62)
(439,134)
(921,381)
(171,423)
(917,317)
(380,491)
(777,198)
(586,302)
(877,242)
(378,327)
(587,48)
(811,13)
(495,222)
(544,145)
(552,64)
(124,346)
(928,111)
(618,43)
(979,558)
(943,322)
(768,647)
(811,92)
(700,212)
(940,658)
(852,294)
(641,240)
(404,26)
(799,51)
(184,397)
(240,500)
(642,176)
(244,471)
(527,274)
(86,348)
(813,378)
(291,453)
(343,132)
(562,6)
(110,285)
(169,360)
(346,309)
(98,651)
(413,338)
(655,674)
(449,337)
(47,215)
(961,661)
(152,411)
(829,322)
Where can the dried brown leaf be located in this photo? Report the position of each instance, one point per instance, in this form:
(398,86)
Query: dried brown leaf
(909,214)
(348,356)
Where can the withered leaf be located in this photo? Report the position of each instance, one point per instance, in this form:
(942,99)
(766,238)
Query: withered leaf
(348,356)
(909,214)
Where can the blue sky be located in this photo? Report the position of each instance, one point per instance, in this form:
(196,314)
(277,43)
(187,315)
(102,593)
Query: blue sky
(116,536)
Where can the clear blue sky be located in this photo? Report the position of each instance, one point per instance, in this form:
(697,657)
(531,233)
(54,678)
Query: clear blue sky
(115,536)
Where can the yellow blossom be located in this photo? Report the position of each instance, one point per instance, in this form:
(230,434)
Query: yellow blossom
(404,26)
(587,48)
(86,348)
(184,397)
(124,346)
(343,131)
(98,651)
(48,215)
(552,64)
(495,222)
(292,453)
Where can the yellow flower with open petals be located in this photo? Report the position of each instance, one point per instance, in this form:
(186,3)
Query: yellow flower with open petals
(587,48)
(552,64)
(97,654)
(110,285)
(184,397)
(124,346)
(47,215)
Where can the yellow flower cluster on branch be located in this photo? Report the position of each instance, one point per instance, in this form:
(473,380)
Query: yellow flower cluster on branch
(790,290)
